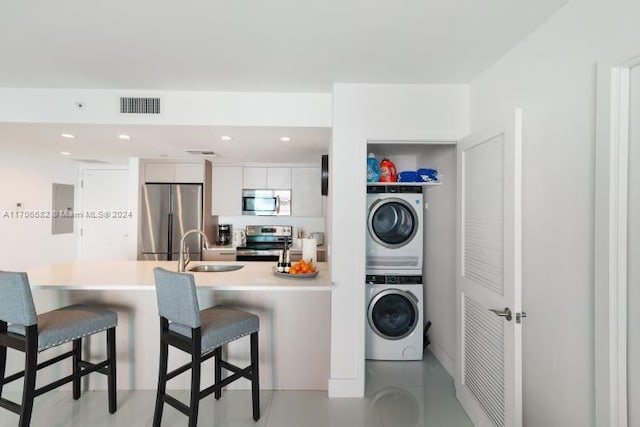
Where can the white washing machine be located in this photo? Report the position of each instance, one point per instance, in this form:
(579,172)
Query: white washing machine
(394,229)
(394,317)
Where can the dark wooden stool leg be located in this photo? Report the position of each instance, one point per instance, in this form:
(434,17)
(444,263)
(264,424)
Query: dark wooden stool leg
(77,357)
(196,363)
(218,372)
(3,355)
(111,376)
(255,377)
(162,373)
(30,369)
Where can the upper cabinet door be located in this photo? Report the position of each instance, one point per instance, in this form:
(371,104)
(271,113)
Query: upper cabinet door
(264,177)
(306,197)
(185,172)
(226,190)
(279,178)
(159,172)
(190,173)
(254,178)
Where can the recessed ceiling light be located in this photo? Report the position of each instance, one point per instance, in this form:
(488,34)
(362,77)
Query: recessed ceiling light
(285,139)
(226,138)
(124,136)
(68,135)
(65,153)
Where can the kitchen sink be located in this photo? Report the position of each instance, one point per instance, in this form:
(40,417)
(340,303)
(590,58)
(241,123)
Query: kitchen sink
(214,268)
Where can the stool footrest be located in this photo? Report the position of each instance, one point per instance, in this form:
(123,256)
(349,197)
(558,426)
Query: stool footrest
(12,406)
(62,381)
(238,373)
(187,366)
(42,365)
(176,404)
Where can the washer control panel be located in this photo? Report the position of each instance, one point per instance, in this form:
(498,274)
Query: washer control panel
(393,279)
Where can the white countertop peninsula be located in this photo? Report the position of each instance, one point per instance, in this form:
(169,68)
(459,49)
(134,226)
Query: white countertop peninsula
(138,275)
(295,318)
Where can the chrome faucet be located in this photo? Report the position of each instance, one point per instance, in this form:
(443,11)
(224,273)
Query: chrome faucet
(184,251)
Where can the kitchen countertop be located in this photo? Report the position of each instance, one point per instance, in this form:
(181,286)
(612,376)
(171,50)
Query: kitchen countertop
(138,275)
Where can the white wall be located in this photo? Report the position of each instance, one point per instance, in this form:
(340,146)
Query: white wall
(365,113)
(552,76)
(633,279)
(28,242)
(178,107)
(439,268)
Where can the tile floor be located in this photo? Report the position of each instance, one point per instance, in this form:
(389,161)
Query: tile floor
(398,394)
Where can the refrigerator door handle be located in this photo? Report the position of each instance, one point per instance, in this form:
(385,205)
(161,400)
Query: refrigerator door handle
(169,239)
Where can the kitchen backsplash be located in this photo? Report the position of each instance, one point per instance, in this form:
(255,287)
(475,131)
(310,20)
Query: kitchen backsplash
(308,224)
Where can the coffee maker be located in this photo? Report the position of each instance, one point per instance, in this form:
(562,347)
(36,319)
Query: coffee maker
(224,235)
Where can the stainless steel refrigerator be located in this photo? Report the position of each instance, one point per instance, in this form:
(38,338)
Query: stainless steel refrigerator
(167,212)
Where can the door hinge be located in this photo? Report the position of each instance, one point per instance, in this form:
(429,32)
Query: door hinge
(519,316)
(82,183)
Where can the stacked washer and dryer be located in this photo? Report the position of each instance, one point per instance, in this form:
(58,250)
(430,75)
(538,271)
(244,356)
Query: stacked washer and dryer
(394,294)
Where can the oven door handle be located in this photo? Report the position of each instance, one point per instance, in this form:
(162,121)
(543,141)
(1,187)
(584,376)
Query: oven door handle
(254,252)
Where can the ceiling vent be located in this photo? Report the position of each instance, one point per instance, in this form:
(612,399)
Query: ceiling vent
(139,105)
(200,152)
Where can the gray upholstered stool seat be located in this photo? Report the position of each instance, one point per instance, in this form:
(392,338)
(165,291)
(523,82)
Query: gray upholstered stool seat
(69,323)
(220,325)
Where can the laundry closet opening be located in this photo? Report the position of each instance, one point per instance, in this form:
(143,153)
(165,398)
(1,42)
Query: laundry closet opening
(411,254)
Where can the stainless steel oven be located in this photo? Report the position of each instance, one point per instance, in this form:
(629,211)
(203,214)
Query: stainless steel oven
(266,202)
(264,242)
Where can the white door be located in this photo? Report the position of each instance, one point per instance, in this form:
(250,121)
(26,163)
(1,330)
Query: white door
(489,347)
(105,214)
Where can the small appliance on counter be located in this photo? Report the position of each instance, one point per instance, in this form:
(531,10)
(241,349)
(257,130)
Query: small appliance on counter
(264,242)
(224,235)
(239,237)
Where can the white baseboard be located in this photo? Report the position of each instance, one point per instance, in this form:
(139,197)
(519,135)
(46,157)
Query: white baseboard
(345,387)
(445,360)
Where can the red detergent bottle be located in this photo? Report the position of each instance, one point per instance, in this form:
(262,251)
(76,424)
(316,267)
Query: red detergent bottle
(388,172)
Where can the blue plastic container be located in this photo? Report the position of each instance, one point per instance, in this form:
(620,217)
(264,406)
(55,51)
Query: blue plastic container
(373,168)
(428,175)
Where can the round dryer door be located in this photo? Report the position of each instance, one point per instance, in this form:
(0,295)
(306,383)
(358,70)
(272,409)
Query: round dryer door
(393,314)
(392,222)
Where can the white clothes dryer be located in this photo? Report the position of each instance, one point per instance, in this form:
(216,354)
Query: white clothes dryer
(394,229)
(394,307)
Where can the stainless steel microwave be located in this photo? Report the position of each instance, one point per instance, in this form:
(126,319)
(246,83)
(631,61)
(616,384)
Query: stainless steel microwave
(266,202)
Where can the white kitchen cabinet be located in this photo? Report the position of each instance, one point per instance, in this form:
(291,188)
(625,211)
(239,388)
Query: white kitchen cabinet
(306,198)
(279,178)
(219,254)
(189,172)
(276,178)
(254,177)
(226,188)
(181,172)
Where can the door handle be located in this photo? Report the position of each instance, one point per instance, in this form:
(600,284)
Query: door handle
(506,313)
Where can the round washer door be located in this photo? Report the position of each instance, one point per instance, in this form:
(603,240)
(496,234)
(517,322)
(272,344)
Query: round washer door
(392,222)
(393,314)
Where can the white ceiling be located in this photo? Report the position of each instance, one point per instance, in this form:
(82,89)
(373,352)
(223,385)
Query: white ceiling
(248,45)
(101,142)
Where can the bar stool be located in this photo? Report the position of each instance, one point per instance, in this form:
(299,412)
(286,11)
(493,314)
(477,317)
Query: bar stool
(21,329)
(201,334)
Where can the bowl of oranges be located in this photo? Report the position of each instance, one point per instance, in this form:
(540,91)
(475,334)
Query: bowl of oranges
(299,270)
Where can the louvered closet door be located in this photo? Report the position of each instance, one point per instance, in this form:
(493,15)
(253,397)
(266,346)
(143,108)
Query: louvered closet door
(489,356)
